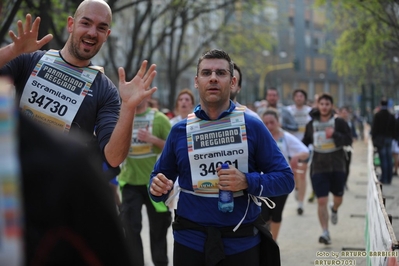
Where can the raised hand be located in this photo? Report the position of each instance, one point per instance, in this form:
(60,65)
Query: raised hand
(26,41)
(134,91)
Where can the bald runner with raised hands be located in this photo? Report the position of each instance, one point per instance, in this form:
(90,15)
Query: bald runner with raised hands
(62,89)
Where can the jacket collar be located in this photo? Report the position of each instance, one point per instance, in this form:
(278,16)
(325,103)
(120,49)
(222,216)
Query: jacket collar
(200,113)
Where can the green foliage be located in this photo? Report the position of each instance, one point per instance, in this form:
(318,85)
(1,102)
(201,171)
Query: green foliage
(246,37)
(358,50)
(54,14)
(368,38)
(246,46)
(61,12)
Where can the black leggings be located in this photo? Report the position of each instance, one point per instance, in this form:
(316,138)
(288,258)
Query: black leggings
(347,165)
(183,256)
(276,214)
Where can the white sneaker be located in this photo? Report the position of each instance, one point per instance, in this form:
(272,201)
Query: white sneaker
(325,238)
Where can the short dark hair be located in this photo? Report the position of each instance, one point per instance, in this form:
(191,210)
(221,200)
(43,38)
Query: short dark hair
(239,72)
(347,108)
(384,102)
(217,54)
(300,91)
(272,89)
(326,96)
(271,111)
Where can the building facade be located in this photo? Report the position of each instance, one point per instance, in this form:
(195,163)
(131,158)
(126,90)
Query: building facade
(298,60)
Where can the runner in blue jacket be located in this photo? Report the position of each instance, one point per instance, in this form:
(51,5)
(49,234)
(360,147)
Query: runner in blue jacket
(219,132)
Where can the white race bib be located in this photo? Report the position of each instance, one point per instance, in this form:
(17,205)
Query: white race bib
(211,143)
(55,90)
(320,141)
(139,149)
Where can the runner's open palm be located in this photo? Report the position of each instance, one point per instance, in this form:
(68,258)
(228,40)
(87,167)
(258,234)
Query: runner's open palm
(26,40)
(134,91)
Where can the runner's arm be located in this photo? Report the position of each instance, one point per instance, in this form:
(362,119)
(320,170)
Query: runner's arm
(132,93)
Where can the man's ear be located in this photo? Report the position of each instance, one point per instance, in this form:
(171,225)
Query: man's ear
(70,22)
(108,33)
(234,81)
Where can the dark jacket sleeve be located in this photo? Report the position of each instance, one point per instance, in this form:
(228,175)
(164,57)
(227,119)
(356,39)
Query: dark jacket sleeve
(396,136)
(308,136)
(342,133)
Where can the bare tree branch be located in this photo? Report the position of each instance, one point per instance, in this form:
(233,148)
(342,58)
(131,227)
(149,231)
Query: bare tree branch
(8,20)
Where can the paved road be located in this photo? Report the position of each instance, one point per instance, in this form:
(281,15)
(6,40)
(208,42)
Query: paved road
(298,238)
(299,235)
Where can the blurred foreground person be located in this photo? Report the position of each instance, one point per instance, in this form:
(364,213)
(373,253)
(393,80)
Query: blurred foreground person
(69,216)
(69,211)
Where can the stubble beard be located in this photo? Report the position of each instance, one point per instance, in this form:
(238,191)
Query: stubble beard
(74,50)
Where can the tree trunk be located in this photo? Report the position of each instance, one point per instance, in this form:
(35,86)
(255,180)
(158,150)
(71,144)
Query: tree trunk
(8,19)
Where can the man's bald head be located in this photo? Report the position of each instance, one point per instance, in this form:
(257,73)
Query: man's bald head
(90,4)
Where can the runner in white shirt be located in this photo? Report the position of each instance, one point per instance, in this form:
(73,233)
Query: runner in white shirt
(300,111)
(294,151)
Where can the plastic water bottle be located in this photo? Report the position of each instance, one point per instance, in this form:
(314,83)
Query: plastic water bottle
(226,197)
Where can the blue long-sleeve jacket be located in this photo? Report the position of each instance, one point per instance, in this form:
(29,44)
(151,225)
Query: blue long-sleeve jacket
(268,175)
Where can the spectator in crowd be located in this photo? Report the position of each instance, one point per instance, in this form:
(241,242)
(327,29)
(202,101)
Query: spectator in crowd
(395,143)
(383,132)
